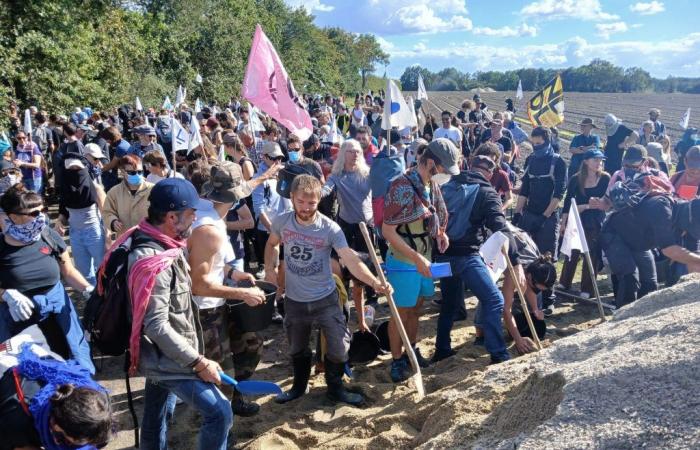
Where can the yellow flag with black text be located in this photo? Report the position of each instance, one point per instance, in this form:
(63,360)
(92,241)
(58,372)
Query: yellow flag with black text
(546,108)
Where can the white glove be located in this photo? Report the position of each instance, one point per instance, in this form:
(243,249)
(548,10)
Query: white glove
(20,306)
(87,292)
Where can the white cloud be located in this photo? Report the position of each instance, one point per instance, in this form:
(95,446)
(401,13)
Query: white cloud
(523,30)
(423,19)
(387,46)
(420,47)
(310,5)
(567,9)
(607,29)
(647,9)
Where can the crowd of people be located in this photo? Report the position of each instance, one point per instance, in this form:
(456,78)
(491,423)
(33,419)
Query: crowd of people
(202,226)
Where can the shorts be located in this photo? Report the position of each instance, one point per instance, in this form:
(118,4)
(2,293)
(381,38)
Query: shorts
(408,286)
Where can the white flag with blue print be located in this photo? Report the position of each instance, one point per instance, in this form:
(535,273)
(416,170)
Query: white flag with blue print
(396,111)
(180,136)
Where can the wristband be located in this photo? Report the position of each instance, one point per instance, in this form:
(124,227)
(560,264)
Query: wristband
(230,273)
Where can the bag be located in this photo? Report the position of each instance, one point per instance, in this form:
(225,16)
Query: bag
(40,138)
(630,192)
(459,199)
(382,172)
(287,176)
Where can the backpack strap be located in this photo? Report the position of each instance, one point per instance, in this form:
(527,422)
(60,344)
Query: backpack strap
(51,242)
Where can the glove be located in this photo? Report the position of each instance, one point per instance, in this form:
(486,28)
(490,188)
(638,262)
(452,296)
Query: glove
(20,306)
(516,218)
(87,292)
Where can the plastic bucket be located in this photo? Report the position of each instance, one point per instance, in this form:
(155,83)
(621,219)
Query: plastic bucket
(253,318)
(441,270)
(382,333)
(364,348)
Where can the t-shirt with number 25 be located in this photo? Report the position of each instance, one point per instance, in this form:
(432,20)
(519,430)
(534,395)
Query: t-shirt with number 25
(307,255)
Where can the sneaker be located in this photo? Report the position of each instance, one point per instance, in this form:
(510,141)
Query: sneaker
(260,274)
(399,370)
(277,318)
(243,408)
(436,301)
(548,311)
(585,295)
(479,340)
(422,362)
(440,356)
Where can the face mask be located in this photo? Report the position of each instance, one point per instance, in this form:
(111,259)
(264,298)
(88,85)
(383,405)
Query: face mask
(294,156)
(7,182)
(134,180)
(95,171)
(542,149)
(28,232)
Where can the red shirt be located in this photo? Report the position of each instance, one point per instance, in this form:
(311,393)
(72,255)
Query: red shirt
(370,152)
(500,182)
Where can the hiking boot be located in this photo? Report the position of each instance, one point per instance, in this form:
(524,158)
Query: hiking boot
(302,371)
(334,380)
(437,356)
(548,311)
(399,370)
(244,408)
(479,340)
(422,362)
(436,301)
(277,318)
(499,360)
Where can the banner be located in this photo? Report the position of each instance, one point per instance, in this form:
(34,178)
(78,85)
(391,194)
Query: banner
(546,108)
(267,86)
(422,93)
(180,136)
(180,97)
(195,138)
(685,121)
(519,92)
(27,126)
(139,107)
(167,105)
(574,237)
(396,111)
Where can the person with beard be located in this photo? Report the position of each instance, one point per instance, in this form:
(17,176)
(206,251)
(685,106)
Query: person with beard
(311,293)
(537,209)
(166,341)
(364,137)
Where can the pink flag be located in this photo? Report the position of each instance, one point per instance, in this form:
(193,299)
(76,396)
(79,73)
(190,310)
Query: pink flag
(267,86)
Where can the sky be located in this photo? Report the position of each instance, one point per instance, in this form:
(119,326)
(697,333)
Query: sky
(481,35)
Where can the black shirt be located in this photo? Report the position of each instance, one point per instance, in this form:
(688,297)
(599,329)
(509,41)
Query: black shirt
(311,166)
(613,152)
(538,187)
(31,269)
(648,225)
(16,426)
(574,191)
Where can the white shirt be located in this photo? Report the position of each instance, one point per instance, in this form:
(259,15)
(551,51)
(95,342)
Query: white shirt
(451,133)
(153,178)
(207,215)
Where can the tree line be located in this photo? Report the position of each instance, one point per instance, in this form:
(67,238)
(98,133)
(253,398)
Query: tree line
(597,76)
(58,54)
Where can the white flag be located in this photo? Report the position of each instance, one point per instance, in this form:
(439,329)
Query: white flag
(180,136)
(685,120)
(167,105)
(491,252)
(254,117)
(28,123)
(198,78)
(197,106)
(180,97)
(195,138)
(422,93)
(519,92)
(139,107)
(396,111)
(574,237)
(412,107)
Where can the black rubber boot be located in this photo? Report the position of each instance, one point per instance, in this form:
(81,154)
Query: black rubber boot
(334,381)
(302,371)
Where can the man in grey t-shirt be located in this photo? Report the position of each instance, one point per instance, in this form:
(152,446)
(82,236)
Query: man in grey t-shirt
(311,296)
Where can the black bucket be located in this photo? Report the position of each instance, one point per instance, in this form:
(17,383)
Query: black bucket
(382,333)
(253,318)
(364,348)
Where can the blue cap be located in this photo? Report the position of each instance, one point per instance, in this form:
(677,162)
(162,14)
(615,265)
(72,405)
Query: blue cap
(594,153)
(146,130)
(173,194)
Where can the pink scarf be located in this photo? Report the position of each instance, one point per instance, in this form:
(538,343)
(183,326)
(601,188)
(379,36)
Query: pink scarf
(142,278)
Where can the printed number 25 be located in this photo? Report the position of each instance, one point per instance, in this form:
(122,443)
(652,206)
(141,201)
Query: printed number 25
(302,253)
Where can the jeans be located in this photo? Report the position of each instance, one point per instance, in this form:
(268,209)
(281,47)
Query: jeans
(471,271)
(206,398)
(33,184)
(634,271)
(88,246)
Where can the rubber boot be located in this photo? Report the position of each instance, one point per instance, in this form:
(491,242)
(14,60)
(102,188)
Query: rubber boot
(334,381)
(302,371)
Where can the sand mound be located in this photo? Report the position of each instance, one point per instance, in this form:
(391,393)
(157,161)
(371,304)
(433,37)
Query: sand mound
(628,383)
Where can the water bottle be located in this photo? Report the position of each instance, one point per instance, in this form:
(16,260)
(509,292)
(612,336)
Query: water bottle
(369,315)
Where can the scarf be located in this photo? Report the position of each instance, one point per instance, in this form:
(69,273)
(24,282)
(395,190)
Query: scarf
(407,201)
(542,150)
(53,373)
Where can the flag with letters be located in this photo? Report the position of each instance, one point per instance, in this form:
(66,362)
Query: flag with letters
(574,237)
(180,136)
(546,108)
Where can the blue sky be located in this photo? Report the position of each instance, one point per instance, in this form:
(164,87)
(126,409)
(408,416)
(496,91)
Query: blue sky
(484,35)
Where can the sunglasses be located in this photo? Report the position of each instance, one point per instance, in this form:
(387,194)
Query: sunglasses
(36,213)
(21,138)
(134,172)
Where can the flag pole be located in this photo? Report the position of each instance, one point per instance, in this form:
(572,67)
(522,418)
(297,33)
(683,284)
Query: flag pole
(173,152)
(523,303)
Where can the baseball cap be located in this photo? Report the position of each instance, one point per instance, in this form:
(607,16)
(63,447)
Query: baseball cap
(145,130)
(72,162)
(483,162)
(7,165)
(226,184)
(634,154)
(594,153)
(447,153)
(84,127)
(692,157)
(173,194)
(272,150)
(94,150)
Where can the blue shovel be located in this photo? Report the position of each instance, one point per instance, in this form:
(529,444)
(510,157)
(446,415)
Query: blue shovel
(251,387)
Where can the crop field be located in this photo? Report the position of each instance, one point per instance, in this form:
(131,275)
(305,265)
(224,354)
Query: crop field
(632,109)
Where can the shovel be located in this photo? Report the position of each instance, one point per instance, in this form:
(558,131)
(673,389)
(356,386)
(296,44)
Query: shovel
(251,387)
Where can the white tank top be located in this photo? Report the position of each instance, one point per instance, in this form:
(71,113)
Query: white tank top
(207,215)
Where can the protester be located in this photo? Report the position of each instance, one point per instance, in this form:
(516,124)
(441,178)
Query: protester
(581,143)
(302,158)
(635,161)
(619,138)
(311,293)
(690,138)
(146,135)
(127,203)
(364,137)
(414,215)
(28,159)
(687,182)
(118,148)
(158,168)
(473,206)
(537,208)
(447,130)
(33,259)
(589,182)
(9,176)
(659,127)
(499,180)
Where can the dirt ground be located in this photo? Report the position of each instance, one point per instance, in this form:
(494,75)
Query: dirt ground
(384,422)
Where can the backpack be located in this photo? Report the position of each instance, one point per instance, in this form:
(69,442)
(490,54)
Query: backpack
(41,138)
(631,191)
(382,172)
(287,176)
(459,199)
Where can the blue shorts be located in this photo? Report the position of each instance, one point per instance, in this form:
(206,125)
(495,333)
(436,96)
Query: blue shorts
(408,286)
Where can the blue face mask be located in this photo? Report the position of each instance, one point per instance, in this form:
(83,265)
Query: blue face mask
(294,156)
(541,150)
(134,180)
